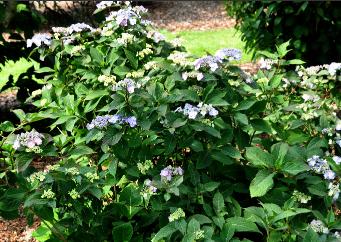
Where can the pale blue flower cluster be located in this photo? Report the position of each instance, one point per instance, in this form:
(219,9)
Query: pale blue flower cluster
(28,139)
(101,122)
(126,16)
(39,39)
(168,172)
(207,61)
(192,111)
(149,184)
(126,84)
(337,159)
(321,166)
(229,54)
(156,36)
(77,28)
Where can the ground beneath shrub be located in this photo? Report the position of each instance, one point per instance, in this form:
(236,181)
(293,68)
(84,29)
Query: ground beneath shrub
(17,230)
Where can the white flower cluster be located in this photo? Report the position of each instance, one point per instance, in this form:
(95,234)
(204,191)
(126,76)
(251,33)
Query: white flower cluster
(135,74)
(193,74)
(334,190)
(177,42)
(151,65)
(126,16)
(318,227)
(180,58)
(37,176)
(266,64)
(193,111)
(127,84)
(155,36)
(29,140)
(310,97)
(107,80)
(104,4)
(39,39)
(333,68)
(126,39)
(301,197)
(49,194)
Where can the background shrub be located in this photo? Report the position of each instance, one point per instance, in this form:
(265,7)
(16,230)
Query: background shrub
(312,27)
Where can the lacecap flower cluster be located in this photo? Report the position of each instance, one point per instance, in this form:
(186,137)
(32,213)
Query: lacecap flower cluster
(101,122)
(29,140)
(193,111)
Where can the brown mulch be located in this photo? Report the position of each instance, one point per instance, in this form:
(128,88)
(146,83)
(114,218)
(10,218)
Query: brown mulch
(183,15)
(17,230)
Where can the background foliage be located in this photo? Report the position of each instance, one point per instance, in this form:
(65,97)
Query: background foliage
(312,27)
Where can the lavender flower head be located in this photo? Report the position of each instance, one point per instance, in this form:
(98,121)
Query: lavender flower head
(207,61)
(337,160)
(229,54)
(168,172)
(101,122)
(128,84)
(321,166)
(149,184)
(39,39)
(123,17)
(29,139)
(192,111)
(78,27)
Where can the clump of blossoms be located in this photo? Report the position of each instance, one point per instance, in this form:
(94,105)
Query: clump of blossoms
(74,194)
(91,176)
(136,74)
(300,197)
(179,213)
(126,16)
(104,4)
(146,51)
(318,227)
(334,190)
(155,36)
(126,39)
(266,64)
(333,68)
(151,65)
(193,74)
(192,111)
(37,176)
(49,194)
(337,159)
(229,54)
(208,61)
(168,172)
(39,39)
(150,186)
(321,166)
(179,58)
(126,84)
(101,122)
(145,166)
(31,140)
(107,80)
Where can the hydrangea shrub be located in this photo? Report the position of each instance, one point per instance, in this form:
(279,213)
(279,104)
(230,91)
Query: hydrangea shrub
(149,143)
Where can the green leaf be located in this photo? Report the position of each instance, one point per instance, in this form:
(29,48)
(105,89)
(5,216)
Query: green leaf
(287,214)
(311,236)
(165,232)
(23,160)
(80,151)
(294,167)
(96,56)
(132,58)
(262,183)
(241,224)
(6,126)
(218,203)
(245,104)
(261,125)
(122,232)
(258,157)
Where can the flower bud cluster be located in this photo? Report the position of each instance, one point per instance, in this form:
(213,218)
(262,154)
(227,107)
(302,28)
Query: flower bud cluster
(168,172)
(321,166)
(145,52)
(179,213)
(192,111)
(266,64)
(145,166)
(49,194)
(135,74)
(151,65)
(101,122)
(126,84)
(107,80)
(74,194)
(29,140)
(300,197)
(318,227)
(91,176)
(37,176)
